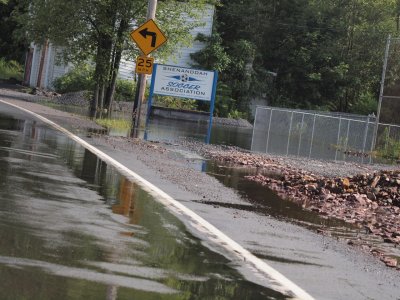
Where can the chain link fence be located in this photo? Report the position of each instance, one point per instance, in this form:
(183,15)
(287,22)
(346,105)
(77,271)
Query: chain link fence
(336,136)
(320,135)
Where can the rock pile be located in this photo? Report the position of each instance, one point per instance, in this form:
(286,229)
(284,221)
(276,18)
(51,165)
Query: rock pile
(44,93)
(371,201)
(74,98)
(230,155)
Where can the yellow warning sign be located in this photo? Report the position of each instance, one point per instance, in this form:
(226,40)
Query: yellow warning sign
(148,37)
(144,65)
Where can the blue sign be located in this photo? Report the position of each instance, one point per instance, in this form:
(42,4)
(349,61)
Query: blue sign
(184,83)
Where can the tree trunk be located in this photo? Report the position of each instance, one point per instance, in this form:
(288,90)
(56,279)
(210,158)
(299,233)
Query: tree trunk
(101,97)
(123,26)
(101,74)
(94,102)
(113,82)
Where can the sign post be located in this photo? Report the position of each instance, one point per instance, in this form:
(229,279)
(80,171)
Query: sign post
(183,82)
(148,38)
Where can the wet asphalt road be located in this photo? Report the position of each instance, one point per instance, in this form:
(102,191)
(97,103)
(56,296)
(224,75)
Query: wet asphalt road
(72,227)
(321,265)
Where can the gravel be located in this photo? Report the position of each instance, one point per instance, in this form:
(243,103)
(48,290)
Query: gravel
(75,98)
(313,166)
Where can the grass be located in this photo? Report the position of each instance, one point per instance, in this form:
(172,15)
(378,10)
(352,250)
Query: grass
(389,148)
(117,124)
(11,69)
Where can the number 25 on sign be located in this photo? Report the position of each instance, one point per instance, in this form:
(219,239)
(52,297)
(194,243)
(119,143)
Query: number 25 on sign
(144,65)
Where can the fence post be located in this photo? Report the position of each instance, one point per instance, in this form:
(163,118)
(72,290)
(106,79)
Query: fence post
(301,133)
(269,128)
(365,139)
(254,130)
(290,130)
(347,137)
(338,137)
(387,138)
(312,135)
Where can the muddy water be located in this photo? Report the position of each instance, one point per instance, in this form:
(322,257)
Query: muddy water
(266,202)
(169,130)
(71,228)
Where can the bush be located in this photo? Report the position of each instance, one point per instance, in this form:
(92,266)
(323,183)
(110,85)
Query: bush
(11,69)
(388,147)
(235,114)
(125,90)
(366,104)
(80,78)
(177,103)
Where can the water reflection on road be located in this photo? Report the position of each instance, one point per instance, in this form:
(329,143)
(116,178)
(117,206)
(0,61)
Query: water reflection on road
(71,227)
(170,130)
(160,129)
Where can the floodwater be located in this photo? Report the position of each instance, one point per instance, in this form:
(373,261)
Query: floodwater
(161,129)
(266,202)
(169,130)
(72,227)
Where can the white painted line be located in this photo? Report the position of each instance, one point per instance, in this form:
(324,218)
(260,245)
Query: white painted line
(280,282)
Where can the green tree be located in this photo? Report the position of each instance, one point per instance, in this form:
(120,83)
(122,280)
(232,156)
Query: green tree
(98,30)
(326,54)
(10,47)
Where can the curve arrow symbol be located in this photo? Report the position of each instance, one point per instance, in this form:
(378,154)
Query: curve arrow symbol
(145,32)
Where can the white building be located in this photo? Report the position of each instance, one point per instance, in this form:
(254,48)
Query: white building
(41,68)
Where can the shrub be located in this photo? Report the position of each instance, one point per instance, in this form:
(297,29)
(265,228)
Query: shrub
(125,90)
(367,104)
(235,114)
(177,103)
(80,78)
(388,147)
(11,69)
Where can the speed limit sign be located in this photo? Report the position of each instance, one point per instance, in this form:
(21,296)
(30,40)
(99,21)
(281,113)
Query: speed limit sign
(144,65)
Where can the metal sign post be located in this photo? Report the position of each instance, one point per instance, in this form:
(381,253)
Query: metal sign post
(183,82)
(214,92)
(148,38)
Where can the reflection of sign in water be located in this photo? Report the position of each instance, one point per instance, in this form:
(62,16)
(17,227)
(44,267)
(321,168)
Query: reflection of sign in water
(184,82)
(126,204)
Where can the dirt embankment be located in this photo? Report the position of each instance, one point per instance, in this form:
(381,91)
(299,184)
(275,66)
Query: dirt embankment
(370,199)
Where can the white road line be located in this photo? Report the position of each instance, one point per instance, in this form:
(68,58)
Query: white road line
(280,282)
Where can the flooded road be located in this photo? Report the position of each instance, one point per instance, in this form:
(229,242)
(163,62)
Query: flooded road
(160,129)
(72,227)
(170,130)
(266,202)
(118,251)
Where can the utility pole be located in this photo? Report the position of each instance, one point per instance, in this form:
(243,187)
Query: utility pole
(378,113)
(141,84)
